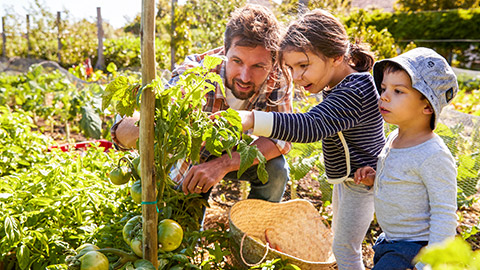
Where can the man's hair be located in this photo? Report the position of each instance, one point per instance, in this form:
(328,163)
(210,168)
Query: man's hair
(254,25)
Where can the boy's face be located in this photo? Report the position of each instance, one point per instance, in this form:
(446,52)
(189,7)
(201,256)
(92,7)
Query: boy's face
(400,104)
(247,69)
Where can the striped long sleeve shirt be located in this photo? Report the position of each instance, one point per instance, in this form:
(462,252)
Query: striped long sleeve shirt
(350,107)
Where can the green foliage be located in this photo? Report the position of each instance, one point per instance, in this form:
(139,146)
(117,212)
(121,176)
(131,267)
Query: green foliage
(78,39)
(422,5)
(125,52)
(381,41)
(468,98)
(453,254)
(65,199)
(20,148)
(52,97)
(428,25)
(180,124)
(276,264)
(463,149)
(207,23)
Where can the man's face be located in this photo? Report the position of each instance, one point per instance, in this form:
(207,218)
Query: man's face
(247,69)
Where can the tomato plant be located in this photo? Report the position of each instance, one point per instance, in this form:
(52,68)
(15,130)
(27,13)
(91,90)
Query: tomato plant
(180,124)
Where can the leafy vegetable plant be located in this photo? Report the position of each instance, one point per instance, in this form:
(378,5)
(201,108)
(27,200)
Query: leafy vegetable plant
(181,127)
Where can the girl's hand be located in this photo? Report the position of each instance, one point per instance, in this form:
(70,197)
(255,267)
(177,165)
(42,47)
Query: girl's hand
(248,119)
(365,175)
(246,116)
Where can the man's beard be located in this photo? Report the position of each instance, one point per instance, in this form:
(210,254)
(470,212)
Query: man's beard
(244,95)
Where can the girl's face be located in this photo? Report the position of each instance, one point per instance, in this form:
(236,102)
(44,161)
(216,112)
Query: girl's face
(310,70)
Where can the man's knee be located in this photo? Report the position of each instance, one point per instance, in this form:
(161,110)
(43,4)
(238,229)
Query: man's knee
(278,176)
(278,169)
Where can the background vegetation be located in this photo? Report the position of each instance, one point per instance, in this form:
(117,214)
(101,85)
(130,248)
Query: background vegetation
(52,202)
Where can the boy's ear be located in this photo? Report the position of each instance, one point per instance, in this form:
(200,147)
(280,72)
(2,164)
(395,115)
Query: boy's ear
(428,109)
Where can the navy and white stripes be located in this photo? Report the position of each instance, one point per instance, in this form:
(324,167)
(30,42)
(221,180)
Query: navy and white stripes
(350,107)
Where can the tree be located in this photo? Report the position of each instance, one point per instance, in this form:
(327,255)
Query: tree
(430,5)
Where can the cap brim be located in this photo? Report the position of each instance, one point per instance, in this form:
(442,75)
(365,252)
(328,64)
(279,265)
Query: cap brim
(378,68)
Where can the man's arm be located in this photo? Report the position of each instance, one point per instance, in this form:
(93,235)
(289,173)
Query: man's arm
(202,177)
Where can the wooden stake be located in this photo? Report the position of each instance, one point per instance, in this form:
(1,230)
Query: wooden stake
(147,108)
(100,60)
(4,39)
(59,40)
(29,44)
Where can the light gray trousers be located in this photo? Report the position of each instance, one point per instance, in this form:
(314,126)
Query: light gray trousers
(352,214)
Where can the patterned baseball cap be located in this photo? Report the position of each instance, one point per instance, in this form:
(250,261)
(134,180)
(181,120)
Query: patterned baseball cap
(430,73)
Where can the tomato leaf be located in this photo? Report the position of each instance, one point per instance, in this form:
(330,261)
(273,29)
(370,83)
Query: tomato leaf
(91,123)
(12,229)
(23,257)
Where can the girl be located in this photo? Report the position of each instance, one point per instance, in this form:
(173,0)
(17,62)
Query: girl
(319,57)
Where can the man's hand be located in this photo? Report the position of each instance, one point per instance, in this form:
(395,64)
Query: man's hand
(365,175)
(202,177)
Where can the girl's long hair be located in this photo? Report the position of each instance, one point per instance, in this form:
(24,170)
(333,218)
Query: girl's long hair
(319,32)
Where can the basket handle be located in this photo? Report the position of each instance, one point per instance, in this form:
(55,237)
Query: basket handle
(243,259)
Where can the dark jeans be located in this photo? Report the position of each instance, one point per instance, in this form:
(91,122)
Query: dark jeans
(395,255)
(278,176)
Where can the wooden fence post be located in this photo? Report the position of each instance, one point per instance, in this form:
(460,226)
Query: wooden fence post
(172,41)
(59,41)
(29,45)
(100,60)
(147,108)
(4,39)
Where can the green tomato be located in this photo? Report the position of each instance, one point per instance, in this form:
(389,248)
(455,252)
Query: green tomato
(120,175)
(81,250)
(132,229)
(136,191)
(170,235)
(136,246)
(93,260)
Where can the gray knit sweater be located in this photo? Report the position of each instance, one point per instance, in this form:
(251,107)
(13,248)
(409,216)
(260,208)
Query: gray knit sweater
(415,191)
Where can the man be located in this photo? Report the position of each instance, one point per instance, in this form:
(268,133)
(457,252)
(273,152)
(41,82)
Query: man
(252,81)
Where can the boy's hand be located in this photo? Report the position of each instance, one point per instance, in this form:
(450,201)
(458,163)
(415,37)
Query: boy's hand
(365,175)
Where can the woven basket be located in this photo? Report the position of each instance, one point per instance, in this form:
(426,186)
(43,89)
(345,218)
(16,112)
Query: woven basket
(291,230)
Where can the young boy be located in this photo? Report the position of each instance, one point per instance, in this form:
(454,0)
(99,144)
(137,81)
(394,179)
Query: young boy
(415,183)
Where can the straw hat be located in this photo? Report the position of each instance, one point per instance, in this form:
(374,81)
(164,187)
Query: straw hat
(290,230)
